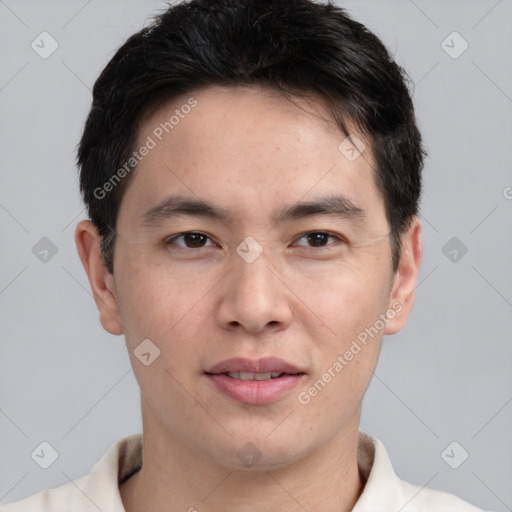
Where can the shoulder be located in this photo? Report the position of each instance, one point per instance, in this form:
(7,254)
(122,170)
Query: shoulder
(57,499)
(384,490)
(423,499)
(98,490)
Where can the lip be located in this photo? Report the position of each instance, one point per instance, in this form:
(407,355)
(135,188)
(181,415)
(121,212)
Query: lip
(255,392)
(263,365)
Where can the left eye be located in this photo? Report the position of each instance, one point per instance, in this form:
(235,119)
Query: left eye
(190,240)
(318,238)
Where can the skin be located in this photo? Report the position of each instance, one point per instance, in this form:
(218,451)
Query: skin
(251,151)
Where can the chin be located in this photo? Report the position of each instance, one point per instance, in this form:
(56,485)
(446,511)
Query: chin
(259,453)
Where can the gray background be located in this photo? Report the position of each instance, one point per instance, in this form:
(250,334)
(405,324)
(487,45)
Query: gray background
(447,377)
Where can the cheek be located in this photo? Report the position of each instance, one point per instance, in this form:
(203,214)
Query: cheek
(167,311)
(153,301)
(346,298)
(350,302)
(346,360)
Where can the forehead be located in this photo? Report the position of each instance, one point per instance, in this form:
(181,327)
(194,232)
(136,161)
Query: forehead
(227,121)
(248,148)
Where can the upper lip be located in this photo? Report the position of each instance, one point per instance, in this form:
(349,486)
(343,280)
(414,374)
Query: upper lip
(263,365)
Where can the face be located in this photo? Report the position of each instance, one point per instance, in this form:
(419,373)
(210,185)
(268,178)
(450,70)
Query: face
(247,232)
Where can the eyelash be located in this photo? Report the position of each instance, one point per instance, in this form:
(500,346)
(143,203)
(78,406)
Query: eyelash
(170,240)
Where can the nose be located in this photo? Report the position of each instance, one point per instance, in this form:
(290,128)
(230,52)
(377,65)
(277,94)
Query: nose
(254,298)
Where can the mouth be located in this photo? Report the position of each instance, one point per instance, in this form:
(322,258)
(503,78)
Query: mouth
(255,382)
(273,366)
(255,376)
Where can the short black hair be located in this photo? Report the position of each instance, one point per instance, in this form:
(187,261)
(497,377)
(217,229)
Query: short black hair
(298,47)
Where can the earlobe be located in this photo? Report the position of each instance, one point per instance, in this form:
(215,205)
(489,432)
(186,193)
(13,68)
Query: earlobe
(405,280)
(102,283)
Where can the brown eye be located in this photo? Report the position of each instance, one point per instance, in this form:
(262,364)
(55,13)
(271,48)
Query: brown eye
(318,239)
(189,240)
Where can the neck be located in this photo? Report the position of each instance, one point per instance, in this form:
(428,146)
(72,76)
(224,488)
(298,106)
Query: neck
(176,478)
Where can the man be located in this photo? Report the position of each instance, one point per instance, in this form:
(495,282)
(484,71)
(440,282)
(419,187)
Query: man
(251,169)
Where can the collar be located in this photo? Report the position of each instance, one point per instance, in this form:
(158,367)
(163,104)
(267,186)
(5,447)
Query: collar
(383,489)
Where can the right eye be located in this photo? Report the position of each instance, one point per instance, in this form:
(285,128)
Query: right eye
(189,240)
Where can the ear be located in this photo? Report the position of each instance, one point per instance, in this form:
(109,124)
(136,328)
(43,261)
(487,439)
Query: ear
(88,242)
(403,290)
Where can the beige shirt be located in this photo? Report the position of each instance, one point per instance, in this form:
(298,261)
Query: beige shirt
(383,491)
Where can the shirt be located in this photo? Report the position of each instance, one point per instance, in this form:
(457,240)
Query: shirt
(383,490)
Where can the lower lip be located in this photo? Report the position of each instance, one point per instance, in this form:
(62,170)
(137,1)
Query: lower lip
(255,392)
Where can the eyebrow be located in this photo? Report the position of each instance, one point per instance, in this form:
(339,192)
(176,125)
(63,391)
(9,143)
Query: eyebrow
(335,205)
(176,205)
